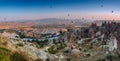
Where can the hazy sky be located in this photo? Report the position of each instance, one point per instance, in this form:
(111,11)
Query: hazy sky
(70,9)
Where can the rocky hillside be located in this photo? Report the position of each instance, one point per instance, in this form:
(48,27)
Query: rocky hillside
(93,43)
(10,47)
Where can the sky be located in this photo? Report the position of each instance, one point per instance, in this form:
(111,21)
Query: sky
(63,9)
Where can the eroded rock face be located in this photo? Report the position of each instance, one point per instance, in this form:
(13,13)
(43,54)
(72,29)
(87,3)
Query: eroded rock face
(75,52)
(7,43)
(10,35)
(112,44)
(30,50)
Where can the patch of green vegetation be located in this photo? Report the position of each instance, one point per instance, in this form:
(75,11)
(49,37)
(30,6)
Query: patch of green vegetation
(4,54)
(4,49)
(100,60)
(20,44)
(88,55)
(47,59)
(18,57)
(80,48)
(90,47)
(68,59)
(39,59)
(110,57)
(42,43)
(119,55)
(52,49)
(4,57)
(7,55)
(104,43)
(61,46)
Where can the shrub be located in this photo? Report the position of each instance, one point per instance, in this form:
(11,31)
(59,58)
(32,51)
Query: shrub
(88,55)
(90,47)
(61,46)
(20,44)
(52,49)
(85,50)
(100,60)
(18,57)
(47,59)
(39,59)
(110,57)
(119,55)
(80,49)
(68,59)
(104,42)
(41,45)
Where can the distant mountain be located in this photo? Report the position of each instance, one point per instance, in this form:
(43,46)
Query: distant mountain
(59,21)
(52,21)
(43,21)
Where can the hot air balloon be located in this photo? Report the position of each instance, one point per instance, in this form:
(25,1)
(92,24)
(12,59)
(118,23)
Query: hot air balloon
(112,11)
(101,5)
(68,14)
